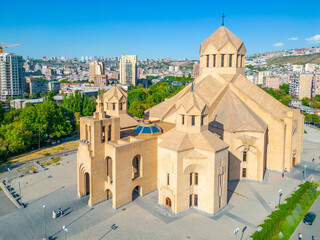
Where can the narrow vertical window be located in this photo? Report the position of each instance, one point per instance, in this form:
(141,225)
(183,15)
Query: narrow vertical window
(241,59)
(190,179)
(244,158)
(230,60)
(182,119)
(120,106)
(207,60)
(244,172)
(168,179)
(190,200)
(196,200)
(113,106)
(196,178)
(103,133)
(202,119)
(193,120)
(109,133)
(222,60)
(214,60)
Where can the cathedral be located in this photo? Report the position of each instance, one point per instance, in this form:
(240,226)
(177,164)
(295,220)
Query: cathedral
(219,128)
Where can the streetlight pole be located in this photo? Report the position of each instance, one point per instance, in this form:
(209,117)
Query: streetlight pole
(236,232)
(65,232)
(44,230)
(305,170)
(280,194)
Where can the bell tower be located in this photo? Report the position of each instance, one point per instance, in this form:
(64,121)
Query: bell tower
(222,52)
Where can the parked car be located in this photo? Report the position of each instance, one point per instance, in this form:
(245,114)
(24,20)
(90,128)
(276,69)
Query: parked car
(309,218)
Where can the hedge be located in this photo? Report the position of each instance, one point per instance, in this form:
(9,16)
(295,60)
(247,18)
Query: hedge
(288,216)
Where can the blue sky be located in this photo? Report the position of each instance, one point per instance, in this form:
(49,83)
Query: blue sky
(153,29)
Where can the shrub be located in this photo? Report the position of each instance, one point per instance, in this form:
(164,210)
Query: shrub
(311,194)
(290,220)
(285,228)
(299,208)
(295,215)
(47,154)
(305,200)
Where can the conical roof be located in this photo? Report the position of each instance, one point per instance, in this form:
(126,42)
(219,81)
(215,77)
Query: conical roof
(192,103)
(115,93)
(222,41)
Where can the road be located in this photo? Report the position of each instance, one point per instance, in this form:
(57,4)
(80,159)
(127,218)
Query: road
(309,231)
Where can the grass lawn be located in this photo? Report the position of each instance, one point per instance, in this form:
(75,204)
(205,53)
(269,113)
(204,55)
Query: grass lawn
(46,151)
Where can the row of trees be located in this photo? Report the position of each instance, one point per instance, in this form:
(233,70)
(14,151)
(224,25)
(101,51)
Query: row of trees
(313,102)
(141,99)
(30,127)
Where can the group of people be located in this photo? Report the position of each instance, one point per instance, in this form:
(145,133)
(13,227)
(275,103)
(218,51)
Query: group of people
(57,214)
(300,237)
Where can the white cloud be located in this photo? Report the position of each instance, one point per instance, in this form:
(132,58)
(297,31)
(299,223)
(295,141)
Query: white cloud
(293,38)
(314,39)
(279,44)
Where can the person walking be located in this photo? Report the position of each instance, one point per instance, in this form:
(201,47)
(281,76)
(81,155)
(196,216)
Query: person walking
(60,212)
(313,238)
(300,236)
(312,159)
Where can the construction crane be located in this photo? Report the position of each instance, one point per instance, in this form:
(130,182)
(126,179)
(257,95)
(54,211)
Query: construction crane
(3,47)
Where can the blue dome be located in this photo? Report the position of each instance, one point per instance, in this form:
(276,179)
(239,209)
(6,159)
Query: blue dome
(147,129)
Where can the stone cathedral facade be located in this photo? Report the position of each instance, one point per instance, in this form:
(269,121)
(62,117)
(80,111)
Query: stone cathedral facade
(221,127)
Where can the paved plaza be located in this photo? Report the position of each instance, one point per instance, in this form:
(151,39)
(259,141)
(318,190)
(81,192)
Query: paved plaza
(249,204)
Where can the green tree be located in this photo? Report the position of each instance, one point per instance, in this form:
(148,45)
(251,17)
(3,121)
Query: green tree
(136,109)
(1,113)
(305,101)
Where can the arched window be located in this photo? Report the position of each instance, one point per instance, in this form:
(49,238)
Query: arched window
(109,169)
(194,178)
(120,106)
(113,106)
(136,167)
(168,202)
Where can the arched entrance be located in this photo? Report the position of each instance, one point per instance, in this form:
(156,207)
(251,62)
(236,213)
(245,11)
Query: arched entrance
(108,194)
(136,192)
(87,183)
(168,202)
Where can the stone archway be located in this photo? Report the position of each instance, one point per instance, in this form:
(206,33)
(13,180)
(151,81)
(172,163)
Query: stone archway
(136,193)
(108,194)
(168,202)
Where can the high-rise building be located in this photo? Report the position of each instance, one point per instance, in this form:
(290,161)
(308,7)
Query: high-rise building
(316,85)
(100,80)
(12,80)
(294,84)
(305,86)
(196,70)
(128,69)
(262,75)
(96,68)
(271,82)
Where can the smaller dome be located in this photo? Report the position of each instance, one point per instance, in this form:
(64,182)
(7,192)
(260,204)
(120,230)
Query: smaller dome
(147,128)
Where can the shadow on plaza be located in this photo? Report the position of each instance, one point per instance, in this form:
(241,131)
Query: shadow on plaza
(232,185)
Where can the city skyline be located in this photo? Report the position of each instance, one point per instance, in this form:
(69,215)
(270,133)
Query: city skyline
(151,30)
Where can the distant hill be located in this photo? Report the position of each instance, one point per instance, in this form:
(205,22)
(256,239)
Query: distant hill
(301,59)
